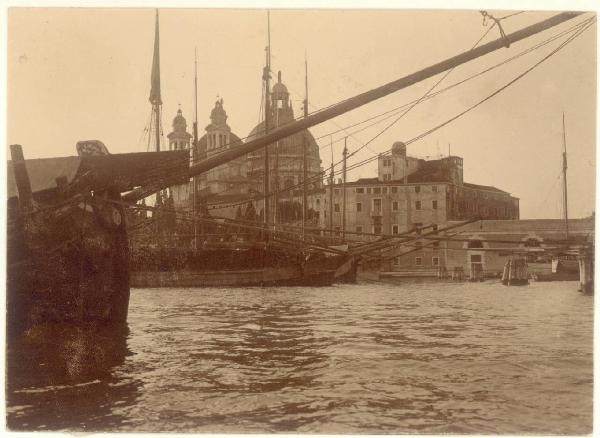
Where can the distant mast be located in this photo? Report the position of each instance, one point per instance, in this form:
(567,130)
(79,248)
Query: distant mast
(194,152)
(304,147)
(267,86)
(565,203)
(155,98)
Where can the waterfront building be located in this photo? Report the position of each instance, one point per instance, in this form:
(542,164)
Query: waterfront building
(480,247)
(410,192)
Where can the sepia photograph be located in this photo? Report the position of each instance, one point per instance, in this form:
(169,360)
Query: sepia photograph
(310,219)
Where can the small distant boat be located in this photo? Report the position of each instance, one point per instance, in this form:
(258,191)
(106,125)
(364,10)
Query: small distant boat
(515,272)
(560,268)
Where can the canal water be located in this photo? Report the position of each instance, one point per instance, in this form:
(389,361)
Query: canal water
(376,358)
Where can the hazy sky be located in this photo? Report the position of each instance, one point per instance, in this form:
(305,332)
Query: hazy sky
(77,74)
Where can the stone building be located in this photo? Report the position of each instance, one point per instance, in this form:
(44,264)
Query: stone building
(409,192)
(227,179)
(179,139)
(485,246)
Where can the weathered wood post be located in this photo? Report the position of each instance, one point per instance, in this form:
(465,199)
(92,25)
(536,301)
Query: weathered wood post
(586,270)
(21,177)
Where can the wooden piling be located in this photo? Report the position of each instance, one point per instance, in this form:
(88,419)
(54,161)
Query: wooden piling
(21,177)
(586,271)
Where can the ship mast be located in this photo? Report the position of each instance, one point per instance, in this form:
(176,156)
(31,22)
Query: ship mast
(564,167)
(267,87)
(155,98)
(195,145)
(304,158)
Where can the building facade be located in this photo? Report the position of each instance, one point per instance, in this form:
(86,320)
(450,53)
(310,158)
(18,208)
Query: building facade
(410,193)
(485,246)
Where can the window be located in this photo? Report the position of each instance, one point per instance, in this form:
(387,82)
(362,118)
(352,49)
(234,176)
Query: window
(336,191)
(318,202)
(377,229)
(434,205)
(418,261)
(417,205)
(384,190)
(396,261)
(435,261)
(394,189)
(368,190)
(376,206)
(360,190)
(434,227)
(359,229)
(417,189)
(376,190)
(395,229)
(434,189)
(387,162)
(474,244)
(336,207)
(359,206)
(387,177)
(395,205)
(532,243)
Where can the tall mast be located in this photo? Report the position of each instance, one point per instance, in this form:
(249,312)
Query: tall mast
(344,191)
(195,144)
(266,77)
(155,98)
(331,188)
(304,158)
(566,206)
(276,167)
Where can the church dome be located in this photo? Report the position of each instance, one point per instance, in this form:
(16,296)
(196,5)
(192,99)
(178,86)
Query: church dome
(179,122)
(399,148)
(218,114)
(279,87)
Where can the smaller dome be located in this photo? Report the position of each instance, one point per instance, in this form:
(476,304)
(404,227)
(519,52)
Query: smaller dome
(279,87)
(218,112)
(399,148)
(179,122)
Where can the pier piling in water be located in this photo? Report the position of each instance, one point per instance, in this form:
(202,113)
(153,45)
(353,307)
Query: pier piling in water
(586,271)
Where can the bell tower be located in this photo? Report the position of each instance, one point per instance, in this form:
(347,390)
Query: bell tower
(179,139)
(218,131)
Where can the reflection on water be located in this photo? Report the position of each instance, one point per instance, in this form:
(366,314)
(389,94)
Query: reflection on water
(379,358)
(60,377)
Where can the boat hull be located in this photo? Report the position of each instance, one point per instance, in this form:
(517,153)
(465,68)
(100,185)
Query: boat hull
(67,265)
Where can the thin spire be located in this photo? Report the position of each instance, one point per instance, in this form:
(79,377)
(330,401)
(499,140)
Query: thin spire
(155,98)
